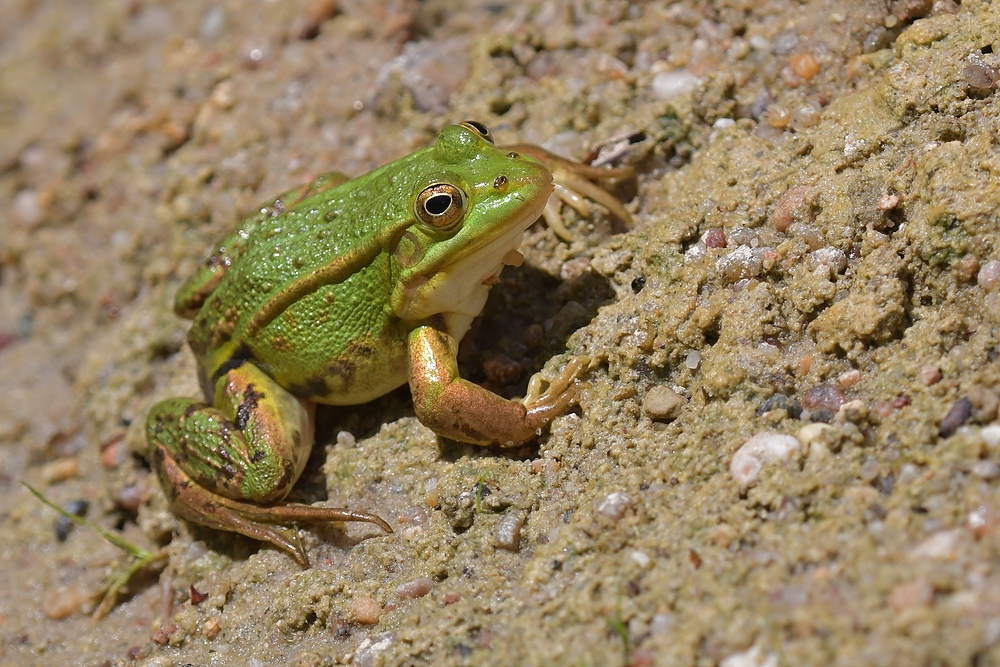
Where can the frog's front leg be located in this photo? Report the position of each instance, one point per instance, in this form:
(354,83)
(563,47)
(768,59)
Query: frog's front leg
(221,466)
(461,410)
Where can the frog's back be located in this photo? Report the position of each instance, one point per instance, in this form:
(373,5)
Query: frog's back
(332,340)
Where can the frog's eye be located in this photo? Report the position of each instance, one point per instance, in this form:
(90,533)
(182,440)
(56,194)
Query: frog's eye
(440,206)
(479,129)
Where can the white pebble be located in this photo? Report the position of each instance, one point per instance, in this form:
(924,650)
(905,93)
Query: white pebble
(692,360)
(741,263)
(370,650)
(639,558)
(986,470)
(990,435)
(939,546)
(827,256)
(614,505)
(751,658)
(989,274)
(668,85)
(758,450)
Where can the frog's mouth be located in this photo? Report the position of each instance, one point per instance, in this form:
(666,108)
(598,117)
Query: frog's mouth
(461,286)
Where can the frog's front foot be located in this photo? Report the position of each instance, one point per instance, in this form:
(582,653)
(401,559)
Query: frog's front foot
(458,409)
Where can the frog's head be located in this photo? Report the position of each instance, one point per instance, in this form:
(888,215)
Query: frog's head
(470,209)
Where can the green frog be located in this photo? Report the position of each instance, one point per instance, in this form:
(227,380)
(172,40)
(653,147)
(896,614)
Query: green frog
(341,291)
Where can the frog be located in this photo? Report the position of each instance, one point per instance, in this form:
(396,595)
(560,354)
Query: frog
(338,292)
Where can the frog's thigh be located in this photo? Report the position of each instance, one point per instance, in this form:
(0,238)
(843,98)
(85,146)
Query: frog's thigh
(251,446)
(458,409)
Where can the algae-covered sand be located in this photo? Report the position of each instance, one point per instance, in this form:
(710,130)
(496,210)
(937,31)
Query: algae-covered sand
(815,253)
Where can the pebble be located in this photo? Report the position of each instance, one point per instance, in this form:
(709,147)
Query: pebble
(692,360)
(781,402)
(939,546)
(760,449)
(919,593)
(957,415)
(60,470)
(790,207)
(369,653)
(62,601)
(365,609)
(823,396)
(63,522)
(752,658)
(740,264)
(989,274)
(804,65)
(211,627)
(669,85)
(848,379)
(663,403)
(990,435)
(981,521)
(835,258)
(987,470)
(615,505)
(929,375)
(979,75)
(416,588)
(508,531)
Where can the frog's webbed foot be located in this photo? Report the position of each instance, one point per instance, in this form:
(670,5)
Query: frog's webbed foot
(575,186)
(229,465)
(195,503)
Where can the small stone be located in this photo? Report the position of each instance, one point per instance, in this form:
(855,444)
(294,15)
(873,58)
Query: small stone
(761,449)
(669,85)
(804,65)
(615,505)
(981,521)
(60,470)
(365,609)
(827,256)
(939,546)
(752,658)
(855,411)
(848,379)
(987,470)
(825,396)
(416,588)
(508,531)
(692,360)
(990,435)
(369,653)
(781,402)
(929,375)
(887,202)
(919,593)
(211,627)
(714,238)
(663,403)
(791,207)
(957,415)
(740,264)
(989,274)
(62,601)
(979,75)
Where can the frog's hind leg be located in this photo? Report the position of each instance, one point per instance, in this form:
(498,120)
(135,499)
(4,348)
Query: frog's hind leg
(223,466)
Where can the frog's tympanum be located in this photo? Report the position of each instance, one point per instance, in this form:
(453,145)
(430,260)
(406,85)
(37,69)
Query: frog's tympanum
(339,292)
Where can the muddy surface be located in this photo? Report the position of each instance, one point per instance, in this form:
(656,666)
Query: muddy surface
(787,451)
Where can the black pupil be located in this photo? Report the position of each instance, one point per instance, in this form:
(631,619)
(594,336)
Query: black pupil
(479,127)
(438,204)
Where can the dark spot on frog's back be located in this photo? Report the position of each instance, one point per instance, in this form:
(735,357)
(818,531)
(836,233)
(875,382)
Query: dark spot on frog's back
(251,398)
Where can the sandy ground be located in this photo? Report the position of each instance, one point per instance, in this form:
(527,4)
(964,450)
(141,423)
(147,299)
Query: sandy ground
(787,453)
